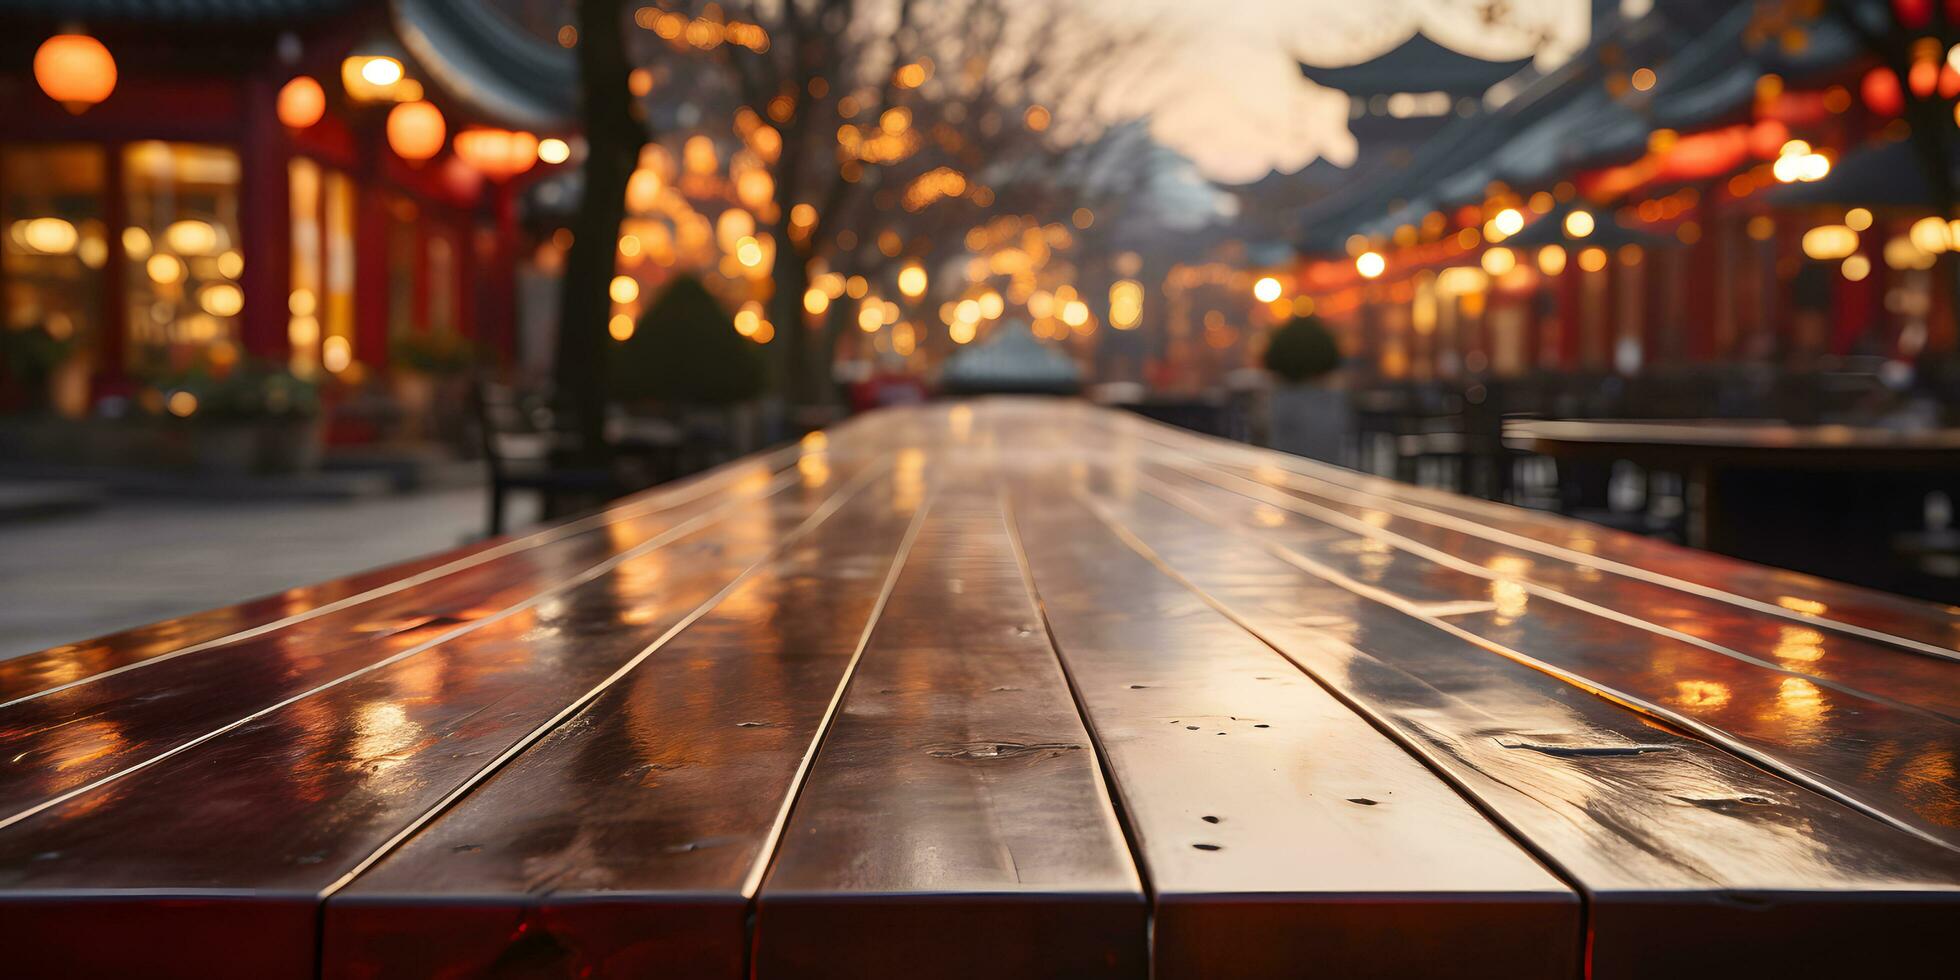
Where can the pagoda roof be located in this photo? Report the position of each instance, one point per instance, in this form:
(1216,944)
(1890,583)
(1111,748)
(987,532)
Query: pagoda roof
(1416,65)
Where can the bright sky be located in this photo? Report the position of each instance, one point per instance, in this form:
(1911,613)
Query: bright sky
(1227,92)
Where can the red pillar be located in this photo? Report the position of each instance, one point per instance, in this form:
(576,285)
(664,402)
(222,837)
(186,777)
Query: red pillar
(262,215)
(371,273)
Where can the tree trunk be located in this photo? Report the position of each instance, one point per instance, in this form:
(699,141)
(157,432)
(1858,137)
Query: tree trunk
(791,278)
(614,134)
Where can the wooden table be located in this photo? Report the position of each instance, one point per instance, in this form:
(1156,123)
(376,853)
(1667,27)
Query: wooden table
(1827,499)
(1017,688)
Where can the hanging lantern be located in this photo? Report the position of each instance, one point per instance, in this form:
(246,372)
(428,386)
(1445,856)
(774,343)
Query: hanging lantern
(416,130)
(301,102)
(75,70)
(497,153)
(1882,92)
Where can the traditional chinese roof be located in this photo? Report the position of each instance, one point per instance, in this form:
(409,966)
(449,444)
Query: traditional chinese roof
(479,57)
(1416,65)
(1882,174)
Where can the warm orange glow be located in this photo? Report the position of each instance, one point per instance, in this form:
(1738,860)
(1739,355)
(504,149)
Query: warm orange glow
(75,70)
(301,102)
(496,153)
(416,130)
(912,280)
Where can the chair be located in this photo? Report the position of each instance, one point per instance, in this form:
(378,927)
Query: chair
(518,457)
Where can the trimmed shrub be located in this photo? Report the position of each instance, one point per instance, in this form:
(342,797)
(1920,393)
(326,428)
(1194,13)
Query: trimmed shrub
(1302,350)
(685,351)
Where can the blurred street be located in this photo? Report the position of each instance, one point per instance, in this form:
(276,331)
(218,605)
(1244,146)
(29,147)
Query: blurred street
(132,562)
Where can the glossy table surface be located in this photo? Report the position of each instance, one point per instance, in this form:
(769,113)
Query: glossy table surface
(1015,687)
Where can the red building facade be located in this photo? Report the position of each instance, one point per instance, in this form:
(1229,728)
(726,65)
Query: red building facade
(253,189)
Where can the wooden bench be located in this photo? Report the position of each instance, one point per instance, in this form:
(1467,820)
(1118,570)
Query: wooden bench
(1017,688)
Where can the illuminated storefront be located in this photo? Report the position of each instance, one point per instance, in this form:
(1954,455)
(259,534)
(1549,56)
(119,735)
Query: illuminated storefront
(184,191)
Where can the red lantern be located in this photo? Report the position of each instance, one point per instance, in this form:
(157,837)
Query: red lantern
(416,130)
(75,70)
(301,102)
(1913,14)
(496,153)
(1882,92)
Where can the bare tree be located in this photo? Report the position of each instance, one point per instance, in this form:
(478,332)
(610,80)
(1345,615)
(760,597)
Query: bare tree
(890,118)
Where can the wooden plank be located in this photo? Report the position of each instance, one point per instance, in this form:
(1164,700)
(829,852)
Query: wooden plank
(1780,593)
(629,840)
(73,664)
(1846,659)
(1276,826)
(263,819)
(1890,758)
(1693,862)
(67,740)
(955,824)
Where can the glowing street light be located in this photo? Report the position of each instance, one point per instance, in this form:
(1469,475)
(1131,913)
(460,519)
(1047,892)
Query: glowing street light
(1267,289)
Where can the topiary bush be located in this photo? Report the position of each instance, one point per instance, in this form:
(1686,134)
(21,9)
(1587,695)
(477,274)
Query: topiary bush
(685,351)
(1302,350)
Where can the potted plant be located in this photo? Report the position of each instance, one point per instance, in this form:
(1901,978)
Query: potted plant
(245,418)
(1309,416)
(292,433)
(30,357)
(214,410)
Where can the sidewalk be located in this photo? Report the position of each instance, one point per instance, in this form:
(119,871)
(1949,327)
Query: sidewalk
(137,560)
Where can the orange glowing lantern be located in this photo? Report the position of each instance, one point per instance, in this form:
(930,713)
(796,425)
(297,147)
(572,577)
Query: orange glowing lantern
(75,70)
(301,102)
(497,153)
(415,130)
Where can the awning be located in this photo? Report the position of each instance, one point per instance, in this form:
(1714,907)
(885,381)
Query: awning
(488,65)
(1607,232)
(1886,174)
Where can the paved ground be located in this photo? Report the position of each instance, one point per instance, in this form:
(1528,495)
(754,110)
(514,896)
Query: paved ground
(133,561)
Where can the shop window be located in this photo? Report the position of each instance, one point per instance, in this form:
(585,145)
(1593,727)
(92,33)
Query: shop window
(51,265)
(320,328)
(182,256)
(303,302)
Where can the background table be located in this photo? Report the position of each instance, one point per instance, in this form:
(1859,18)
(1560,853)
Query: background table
(1832,500)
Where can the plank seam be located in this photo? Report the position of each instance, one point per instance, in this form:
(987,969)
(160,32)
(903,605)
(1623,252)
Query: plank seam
(753,882)
(1123,819)
(693,491)
(660,540)
(1439,519)
(1433,554)
(1700,730)
(1381,724)
(830,506)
